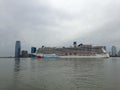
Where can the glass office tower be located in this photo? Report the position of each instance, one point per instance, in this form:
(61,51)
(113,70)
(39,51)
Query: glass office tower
(33,51)
(17,49)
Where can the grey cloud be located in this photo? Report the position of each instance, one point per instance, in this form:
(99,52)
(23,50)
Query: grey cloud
(39,24)
(108,34)
(26,21)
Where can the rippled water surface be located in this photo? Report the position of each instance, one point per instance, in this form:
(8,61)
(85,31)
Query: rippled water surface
(59,74)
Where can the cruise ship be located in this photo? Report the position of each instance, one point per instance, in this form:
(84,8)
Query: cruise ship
(75,51)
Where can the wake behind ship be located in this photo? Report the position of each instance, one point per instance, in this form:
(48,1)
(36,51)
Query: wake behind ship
(77,51)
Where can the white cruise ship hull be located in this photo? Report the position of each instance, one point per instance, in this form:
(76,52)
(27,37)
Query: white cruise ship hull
(91,56)
(73,56)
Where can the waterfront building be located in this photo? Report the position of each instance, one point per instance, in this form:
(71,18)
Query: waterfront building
(17,49)
(114,51)
(33,51)
(119,53)
(24,53)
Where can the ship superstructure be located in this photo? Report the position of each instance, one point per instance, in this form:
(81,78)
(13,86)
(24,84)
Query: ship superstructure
(77,51)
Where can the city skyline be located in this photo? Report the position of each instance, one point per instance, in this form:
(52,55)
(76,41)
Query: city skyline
(58,23)
(20,52)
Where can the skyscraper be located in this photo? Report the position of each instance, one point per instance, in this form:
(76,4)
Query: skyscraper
(114,51)
(119,53)
(17,49)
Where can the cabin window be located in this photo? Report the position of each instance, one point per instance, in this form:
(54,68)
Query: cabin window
(70,53)
(75,53)
(66,54)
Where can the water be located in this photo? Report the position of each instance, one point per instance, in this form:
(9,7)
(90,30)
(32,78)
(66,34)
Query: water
(59,74)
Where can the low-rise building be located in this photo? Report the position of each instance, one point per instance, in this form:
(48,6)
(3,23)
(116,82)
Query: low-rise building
(24,53)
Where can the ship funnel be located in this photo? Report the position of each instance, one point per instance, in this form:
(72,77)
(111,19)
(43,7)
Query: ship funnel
(75,44)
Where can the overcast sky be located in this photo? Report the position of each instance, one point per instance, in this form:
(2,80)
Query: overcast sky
(58,23)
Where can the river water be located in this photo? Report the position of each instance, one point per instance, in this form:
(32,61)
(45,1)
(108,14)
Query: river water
(59,74)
